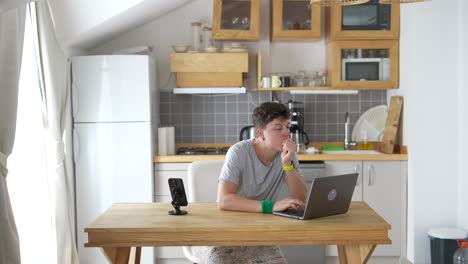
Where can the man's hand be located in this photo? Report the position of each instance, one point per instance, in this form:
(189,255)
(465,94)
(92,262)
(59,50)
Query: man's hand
(288,203)
(289,148)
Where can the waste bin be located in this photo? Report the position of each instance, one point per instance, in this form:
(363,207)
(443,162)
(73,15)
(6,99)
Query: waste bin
(443,243)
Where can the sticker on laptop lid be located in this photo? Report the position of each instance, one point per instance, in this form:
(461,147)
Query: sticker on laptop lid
(332,195)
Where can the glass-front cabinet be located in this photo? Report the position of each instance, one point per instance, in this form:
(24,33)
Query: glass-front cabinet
(364,21)
(372,64)
(236,19)
(295,20)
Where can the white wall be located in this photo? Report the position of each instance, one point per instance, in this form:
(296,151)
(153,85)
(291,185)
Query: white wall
(174,28)
(429,81)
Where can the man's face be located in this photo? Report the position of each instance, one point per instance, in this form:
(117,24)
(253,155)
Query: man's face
(276,133)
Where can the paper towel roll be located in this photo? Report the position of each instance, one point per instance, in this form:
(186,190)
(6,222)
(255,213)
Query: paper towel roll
(166,141)
(170,138)
(162,143)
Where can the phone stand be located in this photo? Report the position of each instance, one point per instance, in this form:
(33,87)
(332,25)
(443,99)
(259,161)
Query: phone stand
(177,210)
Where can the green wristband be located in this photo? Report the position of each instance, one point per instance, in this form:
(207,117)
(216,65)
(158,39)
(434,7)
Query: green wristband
(267,206)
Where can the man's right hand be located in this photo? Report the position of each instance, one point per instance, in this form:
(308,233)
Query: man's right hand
(288,203)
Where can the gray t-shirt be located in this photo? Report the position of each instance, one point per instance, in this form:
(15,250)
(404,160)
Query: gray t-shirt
(255,180)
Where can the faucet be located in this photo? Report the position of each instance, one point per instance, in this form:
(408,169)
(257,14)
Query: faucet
(347,140)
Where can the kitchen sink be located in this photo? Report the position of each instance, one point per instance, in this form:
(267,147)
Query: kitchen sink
(361,152)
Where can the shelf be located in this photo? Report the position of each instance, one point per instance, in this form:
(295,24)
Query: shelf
(210,90)
(282,89)
(324,91)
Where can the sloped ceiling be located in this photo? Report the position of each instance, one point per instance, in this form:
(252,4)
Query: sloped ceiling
(84,24)
(7,4)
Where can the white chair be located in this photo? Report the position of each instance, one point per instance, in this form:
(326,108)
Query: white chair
(202,187)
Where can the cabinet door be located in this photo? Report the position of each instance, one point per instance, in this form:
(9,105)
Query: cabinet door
(164,171)
(343,167)
(295,19)
(365,64)
(383,193)
(365,21)
(236,19)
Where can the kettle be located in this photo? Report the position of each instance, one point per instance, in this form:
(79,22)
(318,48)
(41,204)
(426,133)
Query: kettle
(248,132)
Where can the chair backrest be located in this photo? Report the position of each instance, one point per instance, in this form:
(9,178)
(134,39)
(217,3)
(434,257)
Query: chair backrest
(203,180)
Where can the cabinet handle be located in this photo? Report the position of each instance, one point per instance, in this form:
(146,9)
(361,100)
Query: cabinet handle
(357,168)
(371,176)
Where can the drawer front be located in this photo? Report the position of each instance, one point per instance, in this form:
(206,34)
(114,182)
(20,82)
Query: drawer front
(171,166)
(210,62)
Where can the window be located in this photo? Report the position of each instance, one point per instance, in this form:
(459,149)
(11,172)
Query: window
(27,178)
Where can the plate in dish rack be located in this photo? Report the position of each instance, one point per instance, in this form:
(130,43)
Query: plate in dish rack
(370,124)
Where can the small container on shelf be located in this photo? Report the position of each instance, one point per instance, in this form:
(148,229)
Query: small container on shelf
(285,79)
(209,43)
(196,36)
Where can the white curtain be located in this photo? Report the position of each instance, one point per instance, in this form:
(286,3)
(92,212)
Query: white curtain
(11,47)
(55,70)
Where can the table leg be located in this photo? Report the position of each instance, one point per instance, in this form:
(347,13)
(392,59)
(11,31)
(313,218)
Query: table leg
(354,254)
(118,255)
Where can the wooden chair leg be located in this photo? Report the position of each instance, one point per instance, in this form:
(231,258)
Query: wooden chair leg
(135,255)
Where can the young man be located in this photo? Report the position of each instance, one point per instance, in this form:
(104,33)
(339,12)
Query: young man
(252,177)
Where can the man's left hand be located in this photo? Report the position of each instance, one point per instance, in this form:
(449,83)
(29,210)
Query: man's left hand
(289,148)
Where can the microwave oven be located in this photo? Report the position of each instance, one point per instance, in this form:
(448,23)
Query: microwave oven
(368,16)
(365,69)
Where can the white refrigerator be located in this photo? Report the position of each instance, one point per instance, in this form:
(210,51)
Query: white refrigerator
(115,108)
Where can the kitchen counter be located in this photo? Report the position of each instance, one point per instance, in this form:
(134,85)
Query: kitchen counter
(401,154)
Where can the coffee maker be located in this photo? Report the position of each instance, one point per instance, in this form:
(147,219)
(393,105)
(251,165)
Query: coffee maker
(296,128)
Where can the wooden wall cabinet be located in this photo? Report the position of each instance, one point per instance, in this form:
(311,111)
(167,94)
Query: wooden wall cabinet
(209,69)
(365,21)
(236,19)
(295,20)
(363,64)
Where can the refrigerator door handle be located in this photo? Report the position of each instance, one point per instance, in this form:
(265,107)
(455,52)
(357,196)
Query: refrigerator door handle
(76,146)
(74,100)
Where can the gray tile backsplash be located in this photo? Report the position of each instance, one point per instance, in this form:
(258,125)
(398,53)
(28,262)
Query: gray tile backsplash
(219,118)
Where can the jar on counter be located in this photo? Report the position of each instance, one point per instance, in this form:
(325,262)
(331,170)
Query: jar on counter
(208,41)
(196,36)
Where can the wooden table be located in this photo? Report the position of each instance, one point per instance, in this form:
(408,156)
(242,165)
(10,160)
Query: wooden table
(126,226)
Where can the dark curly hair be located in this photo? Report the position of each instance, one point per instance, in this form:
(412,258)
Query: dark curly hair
(267,112)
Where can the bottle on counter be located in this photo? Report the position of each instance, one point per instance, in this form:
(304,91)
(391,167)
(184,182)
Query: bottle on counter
(461,255)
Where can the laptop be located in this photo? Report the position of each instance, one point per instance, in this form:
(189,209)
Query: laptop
(329,195)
